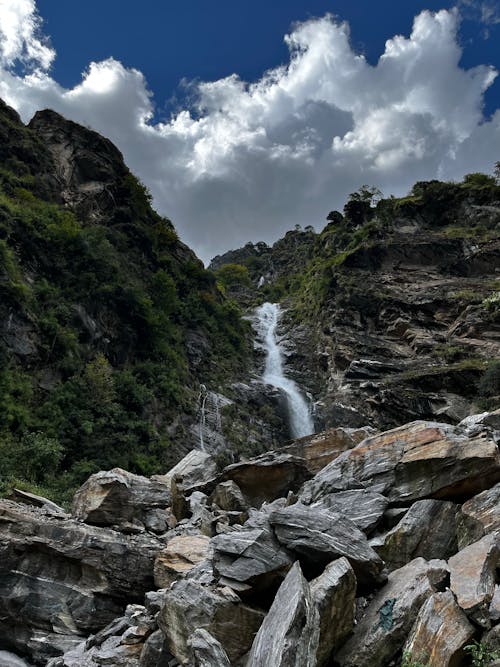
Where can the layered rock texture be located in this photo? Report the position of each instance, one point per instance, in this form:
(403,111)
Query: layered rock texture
(391,549)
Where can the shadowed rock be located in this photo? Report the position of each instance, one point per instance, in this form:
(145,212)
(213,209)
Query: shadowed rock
(363,507)
(180,555)
(479,516)
(206,651)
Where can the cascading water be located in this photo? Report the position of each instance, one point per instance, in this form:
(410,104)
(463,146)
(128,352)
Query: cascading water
(301,422)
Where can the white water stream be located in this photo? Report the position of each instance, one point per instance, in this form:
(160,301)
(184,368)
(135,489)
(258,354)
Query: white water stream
(301,422)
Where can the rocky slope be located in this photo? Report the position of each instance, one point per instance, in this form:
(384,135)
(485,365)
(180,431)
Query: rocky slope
(349,548)
(394,312)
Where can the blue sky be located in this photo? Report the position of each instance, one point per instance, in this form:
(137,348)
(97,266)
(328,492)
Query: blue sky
(245,118)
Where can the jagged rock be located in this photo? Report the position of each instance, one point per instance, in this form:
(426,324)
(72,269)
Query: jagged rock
(478,516)
(318,536)
(190,606)
(117,497)
(319,449)
(415,461)
(206,650)
(10,660)
(180,555)
(426,530)
(250,558)
(289,635)
(388,619)
(267,477)
(363,507)
(36,501)
(334,596)
(494,610)
(68,578)
(473,577)
(440,632)
(155,653)
(228,496)
(197,472)
(475,424)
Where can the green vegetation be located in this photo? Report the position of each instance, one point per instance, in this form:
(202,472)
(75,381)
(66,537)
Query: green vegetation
(481,654)
(408,661)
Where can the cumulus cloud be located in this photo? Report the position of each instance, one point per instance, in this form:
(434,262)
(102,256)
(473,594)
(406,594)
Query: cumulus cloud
(247,161)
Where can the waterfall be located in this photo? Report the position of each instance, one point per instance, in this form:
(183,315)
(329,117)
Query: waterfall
(301,422)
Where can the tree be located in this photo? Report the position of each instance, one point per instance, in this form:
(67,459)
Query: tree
(496,172)
(360,205)
(335,216)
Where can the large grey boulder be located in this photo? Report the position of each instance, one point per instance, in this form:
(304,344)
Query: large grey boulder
(206,651)
(389,617)
(318,536)
(8,659)
(119,498)
(363,507)
(179,557)
(479,516)
(61,579)
(440,632)
(427,530)
(416,461)
(189,606)
(196,472)
(289,635)
(473,572)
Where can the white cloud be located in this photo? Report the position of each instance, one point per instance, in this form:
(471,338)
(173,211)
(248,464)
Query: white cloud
(249,161)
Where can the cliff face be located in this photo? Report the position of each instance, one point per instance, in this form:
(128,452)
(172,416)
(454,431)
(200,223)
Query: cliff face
(394,316)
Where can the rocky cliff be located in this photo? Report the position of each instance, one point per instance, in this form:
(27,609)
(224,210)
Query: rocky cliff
(349,548)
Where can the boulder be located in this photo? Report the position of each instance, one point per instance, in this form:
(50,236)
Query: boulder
(228,496)
(190,606)
(154,652)
(386,623)
(10,660)
(250,559)
(118,498)
(61,579)
(206,651)
(426,530)
(362,506)
(473,577)
(289,635)
(478,516)
(440,632)
(419,460)
(267,477)
(197,472)
(333,594)
(180,555)
(318,536)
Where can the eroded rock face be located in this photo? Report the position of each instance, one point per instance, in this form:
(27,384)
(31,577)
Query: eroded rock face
(62,579)
(180,555)
(440,632)
(416,461)
(206,651)
(362,506)
(473,577)
(427,530)
(189,606)
(119,498)
(388,619)
(479,516)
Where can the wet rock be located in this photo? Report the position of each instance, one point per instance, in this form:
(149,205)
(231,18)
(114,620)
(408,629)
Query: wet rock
(206,651)
(334,596)
(267,477)
(319,536)
(478,516)
(473,577)
(190,606)
(440,632)
(363,507)
(389,617)
(68,578)
(10,660)
(180,555)
(228,496)
(250,558)
(426,530)
(120,498)
(412,462)
(289,634)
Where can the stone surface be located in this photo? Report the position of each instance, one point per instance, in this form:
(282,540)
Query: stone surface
(180,555)
(190,606)
(250,558)
(195,469)
(440,632)
(268,476)
(389,617)
(117,497)
(334,596)
(228,496)
(289,635)
(478,516)
(37,501)
(473,577)
(319,536)
(10,660)
(363,507)
(206,651)
(412,462)
(62,579)
(426,530)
